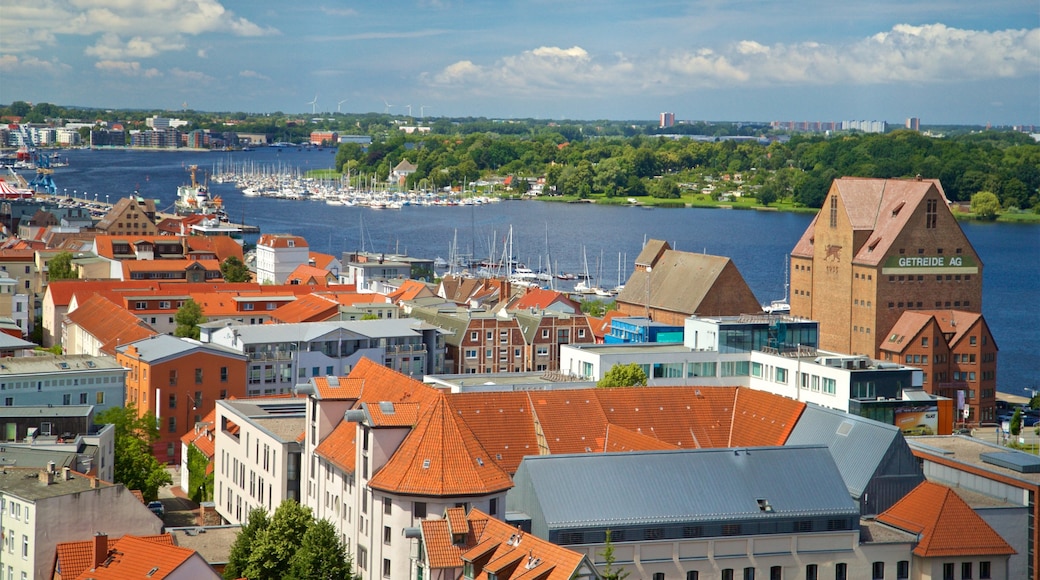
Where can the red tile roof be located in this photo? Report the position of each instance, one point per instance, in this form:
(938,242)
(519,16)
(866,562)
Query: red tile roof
(322,261)
(440,456)
(410,290)
(508,552)
(109,323)
(281,241)
(946,523)
(311,276)
(340,446)
(135,557)
(503,422)
(310,308)
(342,388)
(541,299)
(74,558)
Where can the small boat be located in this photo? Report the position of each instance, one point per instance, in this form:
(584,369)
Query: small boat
(566,276)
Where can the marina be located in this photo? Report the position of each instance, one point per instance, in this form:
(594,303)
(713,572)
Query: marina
(757,242)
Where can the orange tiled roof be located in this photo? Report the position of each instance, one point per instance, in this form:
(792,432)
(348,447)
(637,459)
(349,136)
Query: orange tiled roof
(540,299)
(281,241)
(396,415)
(322,261)
(762,419)
(503,422)
(134,557)
(177,265)
(339,446)
(346,388)
(956,322)
(410,290)
(109,323)
(311,276)
(946,523)
(440,456)
(458,523)
(619,439)
(506,550)
(905,330)
(74,558)
(310,308)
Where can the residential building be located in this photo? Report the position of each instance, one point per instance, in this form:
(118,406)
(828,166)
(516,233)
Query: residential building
(36,436)
(476,543)
(277,255)
(98,326)
(282,355)
(714,513)
(953,539)
(1002,485)
(257,450)
(62,381)
(42,508)
(179,380)
(480,341)
(957,354)
(669,286)
(15,304)
(667,120)
(878,248)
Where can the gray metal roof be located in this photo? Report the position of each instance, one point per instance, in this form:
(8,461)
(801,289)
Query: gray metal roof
(7,341)
(859,445)
(290,332)
(47,363)
(159,347)
(665,487)
(47,411)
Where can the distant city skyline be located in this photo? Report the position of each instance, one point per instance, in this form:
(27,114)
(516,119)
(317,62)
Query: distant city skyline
(946,62)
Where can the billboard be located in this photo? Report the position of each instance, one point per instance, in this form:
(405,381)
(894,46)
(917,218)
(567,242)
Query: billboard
(918,419)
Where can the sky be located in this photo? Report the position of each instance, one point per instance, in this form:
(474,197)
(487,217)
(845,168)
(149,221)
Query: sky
(944,61)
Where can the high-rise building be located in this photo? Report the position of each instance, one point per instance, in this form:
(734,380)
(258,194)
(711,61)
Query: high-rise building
(878,248)
(913,123)
(667,120)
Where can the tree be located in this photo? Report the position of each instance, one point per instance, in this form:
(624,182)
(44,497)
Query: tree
(620,375)
(321,555)
(274,547)
(234,270)
(188,318)
(200,484)
(985,205)
(609,573)
(135,466)
(1016,422)
(238,557)
(60,267)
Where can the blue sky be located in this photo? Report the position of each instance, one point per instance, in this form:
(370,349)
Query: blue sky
(945,61)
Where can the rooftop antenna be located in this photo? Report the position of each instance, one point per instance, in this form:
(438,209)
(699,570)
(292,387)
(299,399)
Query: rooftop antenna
(340,104)
(314,103)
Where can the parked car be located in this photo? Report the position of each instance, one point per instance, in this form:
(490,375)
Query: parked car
(157,508)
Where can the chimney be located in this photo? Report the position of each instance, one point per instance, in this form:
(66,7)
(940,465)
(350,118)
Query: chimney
(95,483)
(50,467)
(100,548)
(66,473)
(46,477)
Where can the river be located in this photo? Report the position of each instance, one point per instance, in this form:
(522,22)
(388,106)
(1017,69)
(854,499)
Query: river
(572,234)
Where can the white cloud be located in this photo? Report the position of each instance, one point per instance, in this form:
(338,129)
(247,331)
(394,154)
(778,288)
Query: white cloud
(190,75)
(252,74)
(126,68)
(10,63)
(932,53)
(32,24)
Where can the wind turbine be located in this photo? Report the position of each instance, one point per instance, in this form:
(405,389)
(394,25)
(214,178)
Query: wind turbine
(313,104)
(339,104)
(422,111)
(386,111)
(409,110)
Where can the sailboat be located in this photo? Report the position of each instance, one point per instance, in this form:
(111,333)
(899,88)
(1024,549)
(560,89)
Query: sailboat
(781,306)
(584,287)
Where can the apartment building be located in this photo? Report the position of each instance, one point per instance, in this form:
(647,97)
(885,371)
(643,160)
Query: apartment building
(179,380)
(277,255)
(62,381)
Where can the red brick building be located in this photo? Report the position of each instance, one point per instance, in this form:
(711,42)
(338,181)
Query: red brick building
(878,248)
(957,353)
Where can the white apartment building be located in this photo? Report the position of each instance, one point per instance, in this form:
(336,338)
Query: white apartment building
(282,355)
(257,454)
(277,255)
(41,508)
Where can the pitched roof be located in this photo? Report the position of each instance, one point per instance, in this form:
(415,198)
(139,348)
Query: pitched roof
(74,558)
(135,557)
(410,290)
(281,241)
(512,555)
(340,446)
(946,524)
(337,388)
(905,330)
(540,299)
(322,261)
(440,456)
(310,276)
(688,283)
(109,323)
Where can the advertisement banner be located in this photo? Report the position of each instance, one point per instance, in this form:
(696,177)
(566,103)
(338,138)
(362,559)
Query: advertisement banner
(918,420)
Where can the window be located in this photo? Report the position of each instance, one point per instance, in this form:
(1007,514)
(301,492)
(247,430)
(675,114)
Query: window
(172,427)
(386,535)
(386,567)
(198,376)
(841,571)
(966,570)
(930,214)
(877,571)
(173,401)
(223,375)
(811,572)
(947,572)
(727,574)
(493,508)
(903,570)
(658,575)
(419,510)
(834,211)
(362,558)
(387,505)
(984,573)
(776,573)
(25,547)
(693,575)
(749,573)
